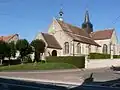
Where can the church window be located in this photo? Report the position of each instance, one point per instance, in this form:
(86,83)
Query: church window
(79,48)
(82,48)
(66,47)
(113,49)
(96,49)
(105,49)
(89,48)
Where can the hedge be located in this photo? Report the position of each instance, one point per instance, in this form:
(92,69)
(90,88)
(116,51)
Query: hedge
(98,56)
(78,61)
(116,56)
(12,62)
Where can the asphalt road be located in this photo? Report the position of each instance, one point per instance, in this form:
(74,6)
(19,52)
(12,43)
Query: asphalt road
(75,76)
(63,76)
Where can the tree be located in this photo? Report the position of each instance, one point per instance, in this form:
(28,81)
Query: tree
(4,50)
(23,47)
(39,46)
(8,52)
(12,46)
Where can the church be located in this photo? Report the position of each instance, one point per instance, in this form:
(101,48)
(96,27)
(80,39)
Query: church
(64,39)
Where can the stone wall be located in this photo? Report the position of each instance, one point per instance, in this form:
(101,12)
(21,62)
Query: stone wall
(101,63)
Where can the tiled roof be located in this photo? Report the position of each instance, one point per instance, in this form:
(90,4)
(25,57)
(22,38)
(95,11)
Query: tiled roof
(82,39)
(51,41)
(73,29)
(102,34)
(77,34)
(7,38)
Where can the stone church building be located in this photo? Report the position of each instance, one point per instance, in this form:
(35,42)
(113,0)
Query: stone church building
(65,39)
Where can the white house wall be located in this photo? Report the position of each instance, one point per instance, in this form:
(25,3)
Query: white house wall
(101,43)
(114,41)
(94,49)
(60,36)
(48,51)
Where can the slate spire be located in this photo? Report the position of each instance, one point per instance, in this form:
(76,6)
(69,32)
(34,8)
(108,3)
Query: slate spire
(86,17)
(87,25)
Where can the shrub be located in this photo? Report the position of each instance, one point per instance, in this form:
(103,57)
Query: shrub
(12,62)
(78,61)
(116,56)
(98,56)
(27,59)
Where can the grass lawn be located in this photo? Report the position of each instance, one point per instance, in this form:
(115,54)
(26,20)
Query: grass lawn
(37,66)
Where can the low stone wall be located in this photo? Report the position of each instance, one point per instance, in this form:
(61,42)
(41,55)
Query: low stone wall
(101,63)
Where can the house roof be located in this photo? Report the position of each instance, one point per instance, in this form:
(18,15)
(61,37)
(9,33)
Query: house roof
(77,34)
(7,38)
(73,29)
(51,41)
(102,34)
(83,39)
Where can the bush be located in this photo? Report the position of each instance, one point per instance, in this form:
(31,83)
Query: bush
(12,62)
(27,59)
(98,56)
(116,56)
(78,61)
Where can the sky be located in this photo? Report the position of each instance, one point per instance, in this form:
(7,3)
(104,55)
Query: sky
(28,17)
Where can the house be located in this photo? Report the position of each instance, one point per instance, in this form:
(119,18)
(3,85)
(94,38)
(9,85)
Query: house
(9,39)
(64,39)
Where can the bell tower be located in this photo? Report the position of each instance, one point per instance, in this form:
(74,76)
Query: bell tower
(87,25)
(61,14)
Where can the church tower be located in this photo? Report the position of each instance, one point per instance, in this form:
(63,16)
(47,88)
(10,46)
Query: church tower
(61,15)
(87,26)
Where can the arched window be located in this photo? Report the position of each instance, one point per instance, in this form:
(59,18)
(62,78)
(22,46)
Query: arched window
(89,48)
(82,48)
(105,49)
(66,47)
(78,48)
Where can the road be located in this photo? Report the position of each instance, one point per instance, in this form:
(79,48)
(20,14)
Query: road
(57,77)
(74,76)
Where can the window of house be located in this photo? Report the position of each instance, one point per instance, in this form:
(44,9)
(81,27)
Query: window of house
(105,49)
(96,49)
(83,49)
(79,48)
(66,47)
(89,48)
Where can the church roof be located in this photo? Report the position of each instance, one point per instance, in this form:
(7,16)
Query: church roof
(7,38)
(77,34)
(51,41)
(102,34)
(73,29)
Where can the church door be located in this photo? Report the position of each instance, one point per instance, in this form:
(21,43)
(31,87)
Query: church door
(54,53)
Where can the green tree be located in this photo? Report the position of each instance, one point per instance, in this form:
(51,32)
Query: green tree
(13,51)
(39,47)
(4,50)
(23,47)
(8,52)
